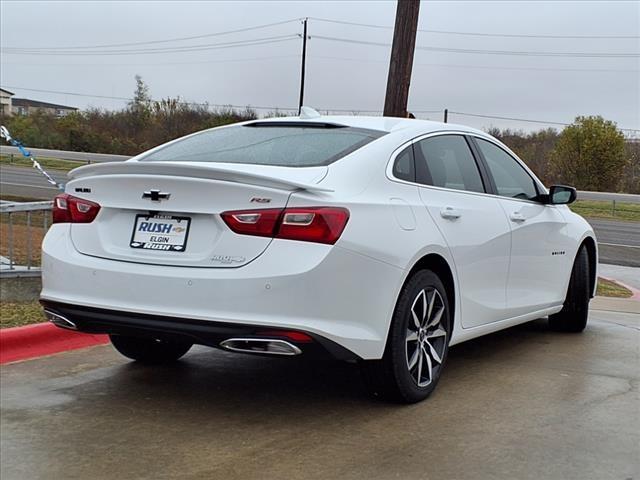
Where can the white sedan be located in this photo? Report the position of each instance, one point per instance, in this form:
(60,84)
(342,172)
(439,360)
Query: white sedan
(377,240)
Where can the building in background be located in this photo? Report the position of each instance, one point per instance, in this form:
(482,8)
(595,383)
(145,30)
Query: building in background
(25,106)
(5,101)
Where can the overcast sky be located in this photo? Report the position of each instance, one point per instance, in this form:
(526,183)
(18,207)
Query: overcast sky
(340,75)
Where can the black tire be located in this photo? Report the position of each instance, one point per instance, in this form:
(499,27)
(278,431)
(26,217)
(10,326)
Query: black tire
(149,350)
(574,314)
(392,378)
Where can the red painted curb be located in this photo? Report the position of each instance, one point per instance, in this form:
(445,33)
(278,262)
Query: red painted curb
(31,341)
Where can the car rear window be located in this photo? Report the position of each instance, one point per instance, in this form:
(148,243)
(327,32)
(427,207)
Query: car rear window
(268,143)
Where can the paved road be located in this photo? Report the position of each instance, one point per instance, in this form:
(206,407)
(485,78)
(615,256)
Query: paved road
(618,242)
(28,182)
(615,232)
(526,404)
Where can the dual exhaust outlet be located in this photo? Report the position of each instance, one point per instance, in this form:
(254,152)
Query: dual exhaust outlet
(270,346)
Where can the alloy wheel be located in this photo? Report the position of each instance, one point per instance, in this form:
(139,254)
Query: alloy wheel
(426,337)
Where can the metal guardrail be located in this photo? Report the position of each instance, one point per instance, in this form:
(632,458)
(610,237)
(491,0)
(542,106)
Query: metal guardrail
(65,155)
(21,220)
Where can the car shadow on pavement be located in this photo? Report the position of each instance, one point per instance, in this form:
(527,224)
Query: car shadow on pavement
(212,378)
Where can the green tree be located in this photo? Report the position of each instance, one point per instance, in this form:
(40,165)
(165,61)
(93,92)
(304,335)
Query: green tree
(590,154)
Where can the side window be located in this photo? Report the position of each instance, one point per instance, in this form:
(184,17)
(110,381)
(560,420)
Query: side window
(403,167)
(446,161)
(511,179)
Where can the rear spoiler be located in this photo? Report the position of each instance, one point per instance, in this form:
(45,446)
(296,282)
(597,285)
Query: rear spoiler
(225,173)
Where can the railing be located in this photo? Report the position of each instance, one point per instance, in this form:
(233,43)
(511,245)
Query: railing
(22,227)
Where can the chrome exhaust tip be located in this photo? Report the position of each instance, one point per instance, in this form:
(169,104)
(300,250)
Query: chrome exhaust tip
(270,346)
(60,321)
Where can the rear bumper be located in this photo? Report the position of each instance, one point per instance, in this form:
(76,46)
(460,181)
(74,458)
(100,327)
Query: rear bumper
(101,321)
(333,293)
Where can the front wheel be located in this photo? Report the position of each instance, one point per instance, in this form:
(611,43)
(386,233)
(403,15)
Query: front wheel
(574,313)
(149,350)
(418,343)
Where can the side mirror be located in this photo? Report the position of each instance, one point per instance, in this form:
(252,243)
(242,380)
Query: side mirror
(561,195)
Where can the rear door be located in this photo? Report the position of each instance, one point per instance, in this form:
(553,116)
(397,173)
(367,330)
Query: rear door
(472,223)
(539,265)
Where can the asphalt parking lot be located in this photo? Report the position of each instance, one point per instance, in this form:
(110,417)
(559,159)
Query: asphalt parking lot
(525,403)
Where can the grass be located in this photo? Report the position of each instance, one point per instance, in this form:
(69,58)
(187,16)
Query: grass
(607,288)
(21,233)
(604,209)
(17,314)
(47,163)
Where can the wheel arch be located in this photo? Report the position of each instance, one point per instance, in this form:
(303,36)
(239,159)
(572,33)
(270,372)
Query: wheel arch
(590,244)
(438,265)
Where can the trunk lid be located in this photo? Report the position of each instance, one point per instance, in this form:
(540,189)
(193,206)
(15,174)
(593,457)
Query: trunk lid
(165,213)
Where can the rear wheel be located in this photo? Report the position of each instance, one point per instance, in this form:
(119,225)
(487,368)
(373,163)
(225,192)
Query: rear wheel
(149,350)
(574,314)
(418,343)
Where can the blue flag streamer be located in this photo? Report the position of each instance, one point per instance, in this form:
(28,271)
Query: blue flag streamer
(4,133)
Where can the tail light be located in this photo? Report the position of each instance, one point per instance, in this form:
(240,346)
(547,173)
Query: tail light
(70,209)
(307,224)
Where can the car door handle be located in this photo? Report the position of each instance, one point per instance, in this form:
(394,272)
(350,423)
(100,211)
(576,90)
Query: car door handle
(450,213)
(517,217)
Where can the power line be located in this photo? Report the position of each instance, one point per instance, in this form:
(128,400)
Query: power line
(488,52)
(481,34)
(138,64)
(127,99)
(192,48)
(528,120)
(487,67)
(153,42)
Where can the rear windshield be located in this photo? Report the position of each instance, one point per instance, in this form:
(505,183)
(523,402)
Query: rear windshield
(263,143)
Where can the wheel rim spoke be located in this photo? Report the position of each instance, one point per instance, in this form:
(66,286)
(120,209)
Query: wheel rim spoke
(434,354)
(436,318)
(431,302)
(440,332)
(429,365)
(414,359)
(412,336)
(419,318)
(416,321)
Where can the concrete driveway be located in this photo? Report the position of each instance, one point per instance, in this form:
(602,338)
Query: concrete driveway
(525,403)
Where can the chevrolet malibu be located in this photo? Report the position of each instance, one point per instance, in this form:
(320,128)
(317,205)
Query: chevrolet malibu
(375,240)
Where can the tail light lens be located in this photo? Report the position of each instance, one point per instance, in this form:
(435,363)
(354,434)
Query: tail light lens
(307,224)
(70,209)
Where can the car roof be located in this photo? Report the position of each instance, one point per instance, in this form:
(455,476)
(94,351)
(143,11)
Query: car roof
(384,124)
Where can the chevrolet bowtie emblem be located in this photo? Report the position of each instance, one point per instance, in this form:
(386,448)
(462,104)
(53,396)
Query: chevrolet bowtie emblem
(156,195)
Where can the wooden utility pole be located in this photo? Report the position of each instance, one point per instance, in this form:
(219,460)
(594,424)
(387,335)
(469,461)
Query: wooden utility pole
(404,43)
(304,64)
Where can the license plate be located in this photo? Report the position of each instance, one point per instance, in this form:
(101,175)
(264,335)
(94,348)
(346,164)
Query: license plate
(160,232)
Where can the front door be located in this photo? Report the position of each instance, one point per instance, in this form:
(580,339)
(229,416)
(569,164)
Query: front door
(539,241)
